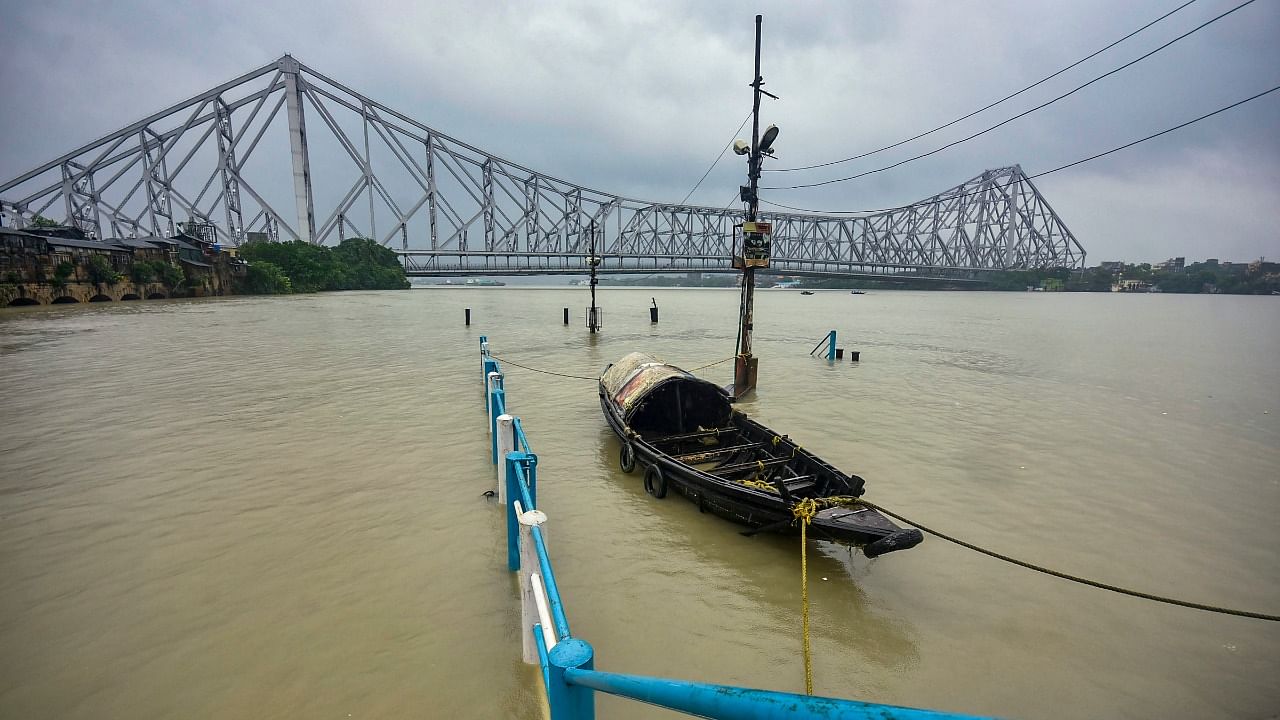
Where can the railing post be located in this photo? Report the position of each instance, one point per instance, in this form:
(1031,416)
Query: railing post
(831,347)
(528,564)
(513,494)
(490,387)
(506,439)
(570,702)
(531,477)
(499,407)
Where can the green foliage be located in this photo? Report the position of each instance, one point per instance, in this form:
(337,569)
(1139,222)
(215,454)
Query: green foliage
(147,271)
(192,278)
(170,274)
(143,271)
(62,273)
(356,264)
(13,278)
(1199,278)
(367,265)
(1022,279)
(100,271)
(1094,279)
(42,221)
(264,278)
(310,268)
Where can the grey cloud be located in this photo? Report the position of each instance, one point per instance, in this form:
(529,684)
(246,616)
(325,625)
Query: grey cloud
(637,98)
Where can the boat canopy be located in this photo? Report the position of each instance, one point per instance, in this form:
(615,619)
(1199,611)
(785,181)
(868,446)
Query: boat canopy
(653,396)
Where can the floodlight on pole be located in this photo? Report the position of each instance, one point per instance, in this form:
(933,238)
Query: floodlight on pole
(766,142)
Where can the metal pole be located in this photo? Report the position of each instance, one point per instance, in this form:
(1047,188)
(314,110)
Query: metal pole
(570,702)
(744,372)
(592,314)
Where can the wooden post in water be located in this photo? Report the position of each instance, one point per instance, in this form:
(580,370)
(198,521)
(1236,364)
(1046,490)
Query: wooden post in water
(593,312)
(566,316)
(529,564)
(506,444)
(467,316)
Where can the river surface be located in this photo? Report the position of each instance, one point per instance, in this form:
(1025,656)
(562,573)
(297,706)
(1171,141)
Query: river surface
(272,507)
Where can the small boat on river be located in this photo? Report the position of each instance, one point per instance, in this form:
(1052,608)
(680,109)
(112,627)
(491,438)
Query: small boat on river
(806,292)
(687,437)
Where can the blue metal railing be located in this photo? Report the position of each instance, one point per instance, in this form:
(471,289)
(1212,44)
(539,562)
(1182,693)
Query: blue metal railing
(830,342)
(568,666)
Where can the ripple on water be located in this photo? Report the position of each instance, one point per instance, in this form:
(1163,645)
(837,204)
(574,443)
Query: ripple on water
(273,506)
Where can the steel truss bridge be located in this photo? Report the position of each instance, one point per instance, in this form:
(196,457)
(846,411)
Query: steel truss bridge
(228,158)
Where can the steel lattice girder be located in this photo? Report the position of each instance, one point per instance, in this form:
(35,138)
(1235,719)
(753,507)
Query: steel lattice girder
(229,157)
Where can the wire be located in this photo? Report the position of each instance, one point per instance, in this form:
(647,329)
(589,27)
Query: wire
(721,155)
(1015,117)
(939,199)
(545,372)
(988,107)
(1073,578)
(589,377)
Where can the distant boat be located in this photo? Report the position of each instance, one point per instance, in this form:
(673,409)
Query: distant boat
(483,282)
(806,292)
(856,292)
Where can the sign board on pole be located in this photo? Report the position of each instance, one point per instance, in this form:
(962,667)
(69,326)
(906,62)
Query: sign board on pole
(756,240)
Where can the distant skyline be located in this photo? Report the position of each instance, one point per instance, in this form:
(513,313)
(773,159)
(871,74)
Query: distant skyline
(638,99)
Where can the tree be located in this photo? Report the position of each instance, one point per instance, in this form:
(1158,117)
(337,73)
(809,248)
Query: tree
(42,221)
(367,265)
(356,264)
(264,278)
(61,273)
(310,268)
(142,272)
(100,271)
(171,275)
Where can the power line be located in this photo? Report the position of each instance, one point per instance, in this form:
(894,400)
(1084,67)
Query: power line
(721,155)
(1039,174)
(1015,117)
(988,107)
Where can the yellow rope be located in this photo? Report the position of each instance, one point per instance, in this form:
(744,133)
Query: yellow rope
(794,448)
(804,512)
(759,485)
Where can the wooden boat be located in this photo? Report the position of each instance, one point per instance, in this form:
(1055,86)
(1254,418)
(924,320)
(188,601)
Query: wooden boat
(806,292)
(686,436)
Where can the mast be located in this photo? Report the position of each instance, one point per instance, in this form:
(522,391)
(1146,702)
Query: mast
(745,365)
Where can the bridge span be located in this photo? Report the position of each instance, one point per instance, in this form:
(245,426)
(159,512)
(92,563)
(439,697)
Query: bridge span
(286,153)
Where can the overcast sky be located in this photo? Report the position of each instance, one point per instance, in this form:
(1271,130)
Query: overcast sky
(638,98)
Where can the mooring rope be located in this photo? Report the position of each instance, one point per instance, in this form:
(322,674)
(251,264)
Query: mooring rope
(588,377)
(1072,578)
(804,512)
(544,372)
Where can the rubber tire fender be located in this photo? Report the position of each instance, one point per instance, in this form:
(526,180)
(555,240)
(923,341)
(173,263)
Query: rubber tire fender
(655,483)
(627,458)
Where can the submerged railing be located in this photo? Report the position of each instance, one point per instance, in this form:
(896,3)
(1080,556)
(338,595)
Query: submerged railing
(568,663)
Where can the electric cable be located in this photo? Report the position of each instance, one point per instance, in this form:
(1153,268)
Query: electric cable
(938,199)
(1015,117)
(721,156)
(984,108)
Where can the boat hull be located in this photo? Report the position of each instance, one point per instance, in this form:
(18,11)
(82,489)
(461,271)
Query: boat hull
(714,487)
